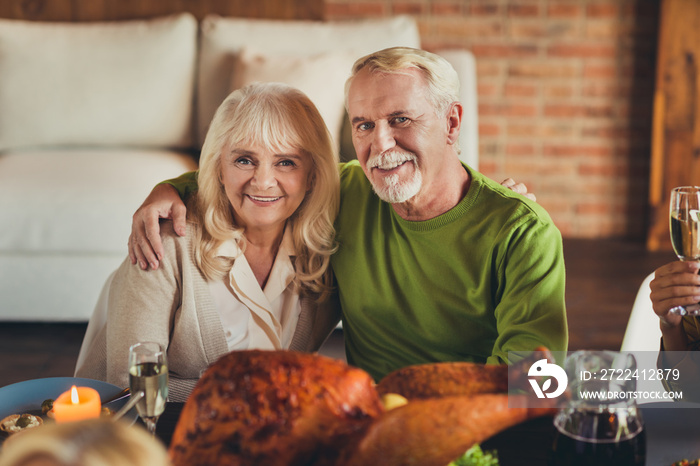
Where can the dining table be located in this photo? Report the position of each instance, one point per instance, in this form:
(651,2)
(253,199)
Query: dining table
(672,434)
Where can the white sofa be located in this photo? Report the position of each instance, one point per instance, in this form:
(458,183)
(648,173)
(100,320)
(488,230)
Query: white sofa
(92,115)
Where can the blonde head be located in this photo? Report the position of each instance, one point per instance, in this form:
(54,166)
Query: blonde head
(275,116)
(97,442)
(442,81)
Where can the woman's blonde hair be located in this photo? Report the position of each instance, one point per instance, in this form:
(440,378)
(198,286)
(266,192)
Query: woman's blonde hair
(96,442)
(276,116)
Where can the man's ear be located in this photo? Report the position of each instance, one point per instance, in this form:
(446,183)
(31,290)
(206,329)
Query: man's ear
(454,122)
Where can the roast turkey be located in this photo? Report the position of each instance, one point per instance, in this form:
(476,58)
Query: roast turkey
(433,432)
(288,408)
(459,378)
(273,408)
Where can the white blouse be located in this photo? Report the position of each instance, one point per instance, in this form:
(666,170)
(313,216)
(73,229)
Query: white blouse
(254,318)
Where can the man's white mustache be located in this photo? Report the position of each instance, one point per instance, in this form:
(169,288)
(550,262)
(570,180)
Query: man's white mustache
(391,159)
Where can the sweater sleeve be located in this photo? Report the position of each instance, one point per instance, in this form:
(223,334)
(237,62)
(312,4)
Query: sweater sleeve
(530,309)
(185,184)
(142,306)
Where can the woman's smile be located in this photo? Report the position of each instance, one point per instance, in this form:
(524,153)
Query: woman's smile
(263,199)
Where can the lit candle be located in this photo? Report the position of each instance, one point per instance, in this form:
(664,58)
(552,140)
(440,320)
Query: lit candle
(76,404)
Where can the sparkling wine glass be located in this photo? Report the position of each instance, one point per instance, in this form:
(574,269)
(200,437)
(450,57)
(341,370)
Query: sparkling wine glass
(148,373)
(685,232)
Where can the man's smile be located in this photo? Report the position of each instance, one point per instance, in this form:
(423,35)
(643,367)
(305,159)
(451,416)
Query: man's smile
(388,162)
(388,168)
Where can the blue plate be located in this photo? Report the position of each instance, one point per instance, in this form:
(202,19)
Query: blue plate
(27,396)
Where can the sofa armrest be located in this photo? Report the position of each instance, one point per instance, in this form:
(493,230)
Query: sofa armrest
(464,63)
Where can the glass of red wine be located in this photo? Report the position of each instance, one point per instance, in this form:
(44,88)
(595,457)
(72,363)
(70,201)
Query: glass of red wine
(602,429)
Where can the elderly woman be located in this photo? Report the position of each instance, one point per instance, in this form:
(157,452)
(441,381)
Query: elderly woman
(253,270)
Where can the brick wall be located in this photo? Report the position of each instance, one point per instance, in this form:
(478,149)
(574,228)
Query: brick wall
(565,97)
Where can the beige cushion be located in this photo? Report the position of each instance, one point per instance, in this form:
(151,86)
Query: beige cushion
(321,77)
(112,83)
(53,286)
(78,200)
(222,39)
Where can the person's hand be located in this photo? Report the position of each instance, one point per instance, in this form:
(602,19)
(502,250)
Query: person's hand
(519,188)
(145,246)
(674,284)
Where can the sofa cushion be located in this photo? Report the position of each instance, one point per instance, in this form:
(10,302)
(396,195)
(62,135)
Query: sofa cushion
(53,286)
(108,83)
(223,38)
(78,201)
(321,77)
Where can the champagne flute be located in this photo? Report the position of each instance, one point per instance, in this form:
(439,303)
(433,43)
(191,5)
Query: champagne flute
(685,232)
(148,374)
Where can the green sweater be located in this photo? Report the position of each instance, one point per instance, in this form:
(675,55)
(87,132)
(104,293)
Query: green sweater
(482,279)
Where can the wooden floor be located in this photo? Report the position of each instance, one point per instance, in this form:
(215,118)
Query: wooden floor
(602,282)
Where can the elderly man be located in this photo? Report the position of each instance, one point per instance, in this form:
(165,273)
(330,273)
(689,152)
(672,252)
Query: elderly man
(436,262)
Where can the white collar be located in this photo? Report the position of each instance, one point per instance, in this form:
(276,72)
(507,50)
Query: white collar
(230,248)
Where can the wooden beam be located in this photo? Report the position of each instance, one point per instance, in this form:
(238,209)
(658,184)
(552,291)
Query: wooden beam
(110,10)
(675,159)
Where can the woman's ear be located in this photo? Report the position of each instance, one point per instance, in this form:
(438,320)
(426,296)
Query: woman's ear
(454,122)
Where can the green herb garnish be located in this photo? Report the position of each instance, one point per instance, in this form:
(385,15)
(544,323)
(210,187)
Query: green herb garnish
(476,457)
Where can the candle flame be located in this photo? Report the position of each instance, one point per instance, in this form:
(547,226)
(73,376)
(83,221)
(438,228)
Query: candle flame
(74,395)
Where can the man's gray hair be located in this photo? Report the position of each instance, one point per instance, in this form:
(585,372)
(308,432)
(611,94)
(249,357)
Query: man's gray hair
(441,77)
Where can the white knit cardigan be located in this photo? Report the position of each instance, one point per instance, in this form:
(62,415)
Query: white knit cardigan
(173,306)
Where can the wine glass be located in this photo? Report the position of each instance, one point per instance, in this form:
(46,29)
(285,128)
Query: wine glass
(685,232)
(148,373)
